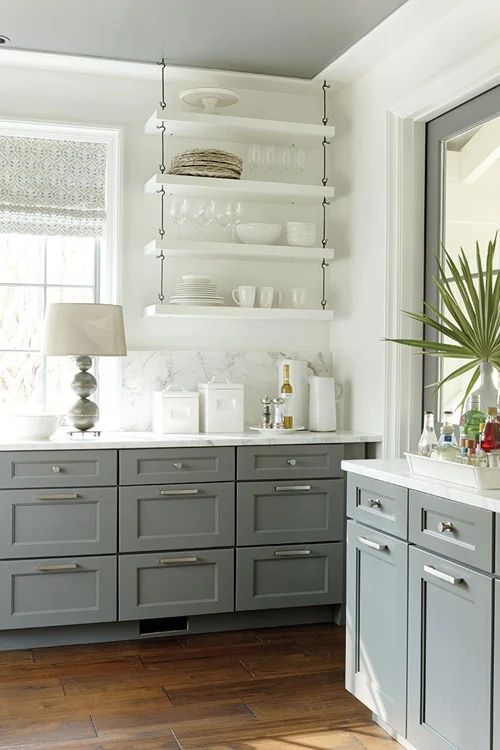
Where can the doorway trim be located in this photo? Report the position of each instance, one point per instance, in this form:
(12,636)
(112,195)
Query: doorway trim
(405,235)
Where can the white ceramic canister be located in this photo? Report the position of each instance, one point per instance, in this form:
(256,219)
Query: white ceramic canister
(222,406)
(176,410)
(323,392)
(298,381)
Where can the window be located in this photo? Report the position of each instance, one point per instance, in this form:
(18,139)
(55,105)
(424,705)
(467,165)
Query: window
(58,198)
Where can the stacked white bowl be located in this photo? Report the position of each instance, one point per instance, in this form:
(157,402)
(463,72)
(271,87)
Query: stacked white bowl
(300,234)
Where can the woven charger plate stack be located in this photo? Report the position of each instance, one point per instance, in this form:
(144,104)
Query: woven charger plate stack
(207,162)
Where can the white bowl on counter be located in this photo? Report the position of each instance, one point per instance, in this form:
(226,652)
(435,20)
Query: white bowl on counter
(25,426)
(258,233)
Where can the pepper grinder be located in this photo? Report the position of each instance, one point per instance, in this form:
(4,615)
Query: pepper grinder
(266,414)
(278,413)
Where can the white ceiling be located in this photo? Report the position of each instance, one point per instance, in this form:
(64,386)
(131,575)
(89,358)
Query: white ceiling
(293,38)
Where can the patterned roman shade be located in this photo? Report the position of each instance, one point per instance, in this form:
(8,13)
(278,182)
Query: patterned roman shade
(52,187)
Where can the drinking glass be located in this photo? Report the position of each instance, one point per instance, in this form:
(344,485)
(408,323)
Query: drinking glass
(268,159)
(253,157)
(205,214)
(179,210)
(233,213)
(282,159)
(298,160)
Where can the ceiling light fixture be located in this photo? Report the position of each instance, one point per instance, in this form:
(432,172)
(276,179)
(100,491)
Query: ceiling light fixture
(4,39)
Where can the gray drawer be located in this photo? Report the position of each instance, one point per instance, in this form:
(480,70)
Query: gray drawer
(470,538)
(289,462)
(174,465)
(379,504)
(286,512)
(289,576)
(82,592)
(197,582)
(167,517)
(72,468)
(44,523)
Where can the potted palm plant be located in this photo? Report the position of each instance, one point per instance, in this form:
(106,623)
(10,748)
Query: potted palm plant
(468,323)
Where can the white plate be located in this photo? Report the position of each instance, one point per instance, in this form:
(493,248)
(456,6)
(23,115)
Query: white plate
(197,279)
(272,431)
(196,303)
(209,98)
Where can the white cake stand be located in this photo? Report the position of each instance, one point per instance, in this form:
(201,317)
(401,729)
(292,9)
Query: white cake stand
(209,98)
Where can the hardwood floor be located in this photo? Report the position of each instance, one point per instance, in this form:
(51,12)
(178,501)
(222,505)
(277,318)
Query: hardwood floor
(268,689)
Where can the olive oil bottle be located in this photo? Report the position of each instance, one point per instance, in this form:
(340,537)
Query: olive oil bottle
(287,394)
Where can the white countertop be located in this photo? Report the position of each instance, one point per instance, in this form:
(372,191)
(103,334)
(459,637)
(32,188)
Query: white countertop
(396,471)
(61,441)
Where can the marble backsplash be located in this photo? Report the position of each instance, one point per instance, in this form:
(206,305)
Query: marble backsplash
(145,372)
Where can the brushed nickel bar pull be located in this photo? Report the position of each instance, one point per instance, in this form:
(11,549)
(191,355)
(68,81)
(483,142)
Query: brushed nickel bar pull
(178,560)
(295,488)
(292,553)
(56,568)
(69,496)
(179,492)
(442,576)
(370,543)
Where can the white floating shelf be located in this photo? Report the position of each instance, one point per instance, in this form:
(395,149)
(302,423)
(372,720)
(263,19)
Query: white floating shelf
(236,313)
(243,190)
(239,129)
(234,251)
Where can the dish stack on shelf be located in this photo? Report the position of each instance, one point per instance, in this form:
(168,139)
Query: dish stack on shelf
(196,291)
(207,162)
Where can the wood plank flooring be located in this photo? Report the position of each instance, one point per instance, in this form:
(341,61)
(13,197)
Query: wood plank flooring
(268,689)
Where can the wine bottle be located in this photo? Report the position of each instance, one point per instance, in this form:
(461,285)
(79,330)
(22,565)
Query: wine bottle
(287,395)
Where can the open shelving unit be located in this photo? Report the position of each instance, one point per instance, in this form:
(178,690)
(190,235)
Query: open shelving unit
(237,313)
(206,250)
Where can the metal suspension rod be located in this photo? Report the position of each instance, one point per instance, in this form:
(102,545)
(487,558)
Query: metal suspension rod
(163,64)
(162,162)
(161,232)
(325,203)
(325,117)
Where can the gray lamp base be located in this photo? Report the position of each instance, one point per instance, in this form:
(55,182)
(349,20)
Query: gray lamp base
(84,414)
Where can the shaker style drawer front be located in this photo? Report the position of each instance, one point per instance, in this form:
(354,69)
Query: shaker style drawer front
(289,462)
(166,517)
(44,523)
(285,512)
(175,465)
(72,468)
(379,504)
(57,591)
(456,530)
(196,582)
(288,576)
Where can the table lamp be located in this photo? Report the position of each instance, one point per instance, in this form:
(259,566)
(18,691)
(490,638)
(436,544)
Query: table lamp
(83,329)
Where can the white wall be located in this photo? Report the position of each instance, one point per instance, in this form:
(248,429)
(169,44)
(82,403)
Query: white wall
(360,212)
(107,101)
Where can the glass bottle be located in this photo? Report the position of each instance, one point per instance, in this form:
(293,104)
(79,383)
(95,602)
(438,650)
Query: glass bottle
(287,395)
(445,450)
(472,418)
(448,429)
(471,452)
(487,390)
(490,436)
(428,440)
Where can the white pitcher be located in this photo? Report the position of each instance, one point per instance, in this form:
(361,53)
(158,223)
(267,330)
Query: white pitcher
(323,394)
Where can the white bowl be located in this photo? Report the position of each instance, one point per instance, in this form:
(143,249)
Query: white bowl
(258,234)
(29,426)
(301,241)
(300,226)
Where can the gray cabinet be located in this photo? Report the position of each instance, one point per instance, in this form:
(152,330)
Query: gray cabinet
(288,576)
(196,582)
(449,654)
(377,568)
(378,504)
(461,532)
(289,462)
(45,523)
(169,517)
(176,465)
(285,512)
(496,669)
(57,591)
(73,468)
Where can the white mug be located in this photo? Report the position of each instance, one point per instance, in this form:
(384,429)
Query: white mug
(298,297)
(265,296)
(278,299)
(244,296)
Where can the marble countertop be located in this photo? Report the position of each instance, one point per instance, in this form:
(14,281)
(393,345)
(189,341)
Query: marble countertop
(396,471)
(61,441)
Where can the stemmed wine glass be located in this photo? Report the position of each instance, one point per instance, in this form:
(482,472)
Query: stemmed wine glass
(298,160)
(233,214)
(282,159)
(179,211)
(253,157)
(268,159)
(205,214)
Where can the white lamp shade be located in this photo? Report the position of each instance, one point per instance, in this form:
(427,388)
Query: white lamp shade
(84,328)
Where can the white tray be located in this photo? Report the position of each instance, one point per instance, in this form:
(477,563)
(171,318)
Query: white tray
(468,476)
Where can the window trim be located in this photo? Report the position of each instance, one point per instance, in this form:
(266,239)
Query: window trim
(110,286)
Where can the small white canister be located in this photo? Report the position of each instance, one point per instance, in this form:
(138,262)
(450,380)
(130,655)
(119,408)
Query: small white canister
(221,406)
(176,410)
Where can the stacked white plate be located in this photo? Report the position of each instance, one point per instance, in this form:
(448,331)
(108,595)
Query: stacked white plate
(196,291)
(300,234)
